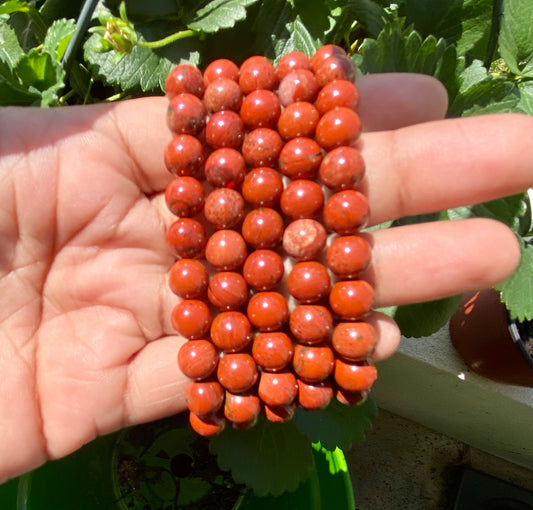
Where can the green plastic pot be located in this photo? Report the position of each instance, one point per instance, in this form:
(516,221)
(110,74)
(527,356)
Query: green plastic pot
(149,468)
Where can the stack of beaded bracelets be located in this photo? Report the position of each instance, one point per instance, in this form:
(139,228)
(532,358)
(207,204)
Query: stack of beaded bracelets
(253,149)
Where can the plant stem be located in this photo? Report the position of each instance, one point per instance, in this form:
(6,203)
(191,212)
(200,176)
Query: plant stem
(497,13)
(82,24)
(168,40)
(116,97)
(63,99)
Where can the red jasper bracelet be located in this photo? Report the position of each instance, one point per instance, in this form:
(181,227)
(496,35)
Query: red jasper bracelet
(253,149)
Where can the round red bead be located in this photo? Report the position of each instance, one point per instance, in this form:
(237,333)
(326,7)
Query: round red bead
(339,126)
(335,67)
(221,68)
(184,196)
(225,167)
(277,388)
(242,409)
(261,147)
(291,62)
(302,198)
(348,256)
(313,363)
(224,129)
(304,239)
(188,278)
(186,114)
(231,331)
(355,377)
(223,94)
(206,426)
(325,52)
(311,324)
(351,299)
(300,158)
(298,119)
(263,269)
(262,187)
(262,228)
(260,108)
(225,250)
(227,290)
(273,350)
(237,372)
(314,395)
(298,85)
(191,318)
(346,212)
(267,310)
(308,281)
(204,397)
(184,155)
(224,207)
(257,73)
(197,359)
(186,237)
(184,78)
(342,168)
(354,340)
(337,93)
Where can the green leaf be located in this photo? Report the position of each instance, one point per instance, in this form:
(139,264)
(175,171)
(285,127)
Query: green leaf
(508,210)
(12,6)
(478,88)
(423,319)
(516,36)
(509,104)
(525,103)
(58,37)
(299,40)
(17,95)
(37,70)
(271,458)
(280,29)
(10,49)
(41,74)
(397,50)
(337,426)
(465,23)
(219,14)
(272,27)
(12,90)
(516,292)
(317,16)
(369,14)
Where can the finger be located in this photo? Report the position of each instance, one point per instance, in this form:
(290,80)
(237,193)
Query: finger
(156,386)
(387,333)
(394,100)
(417,263)
(441,165)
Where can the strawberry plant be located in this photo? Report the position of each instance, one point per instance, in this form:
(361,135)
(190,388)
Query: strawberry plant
(58,52)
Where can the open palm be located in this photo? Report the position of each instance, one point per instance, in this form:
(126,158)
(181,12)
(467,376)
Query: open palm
(82,287)
(86,345)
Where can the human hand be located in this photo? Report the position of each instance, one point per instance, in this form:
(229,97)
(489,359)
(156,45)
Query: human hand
(86,344)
